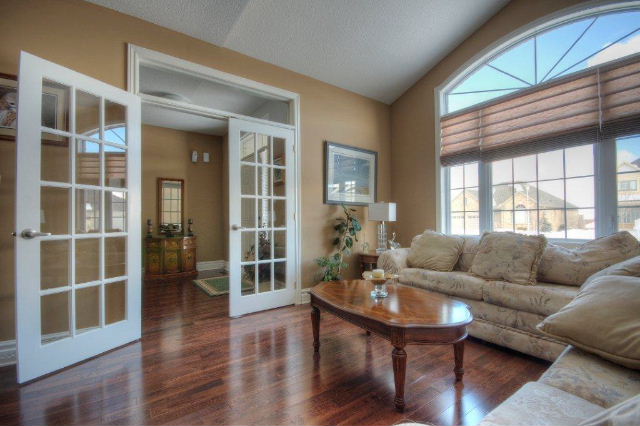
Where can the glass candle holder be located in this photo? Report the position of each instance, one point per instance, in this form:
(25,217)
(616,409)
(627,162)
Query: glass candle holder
(379,289)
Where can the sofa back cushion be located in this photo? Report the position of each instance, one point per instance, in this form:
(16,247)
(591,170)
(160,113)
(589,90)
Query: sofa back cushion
(602,319)
(626,268)
(573,266)
(435,251)
(469,250)
(508,256)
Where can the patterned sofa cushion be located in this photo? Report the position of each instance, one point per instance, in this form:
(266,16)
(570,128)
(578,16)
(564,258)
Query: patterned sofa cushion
(542,298)
(519,320)
(454,283)
(592,378)
(536,404)
(469,250)
(573,266)
(509,256)
(604,319)
(435,251)
(393,261)
(628,268)
(627,413)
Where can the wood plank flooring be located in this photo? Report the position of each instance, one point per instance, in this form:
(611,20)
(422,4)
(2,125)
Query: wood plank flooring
(194,365)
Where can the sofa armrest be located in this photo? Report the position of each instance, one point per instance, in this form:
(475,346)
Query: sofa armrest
(394,261)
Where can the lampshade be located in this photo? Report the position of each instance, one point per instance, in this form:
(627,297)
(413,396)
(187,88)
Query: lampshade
(385,212)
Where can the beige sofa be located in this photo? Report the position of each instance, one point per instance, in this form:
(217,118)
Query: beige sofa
(504,313)
(578,385)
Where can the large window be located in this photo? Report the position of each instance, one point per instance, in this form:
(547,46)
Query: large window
(544,136)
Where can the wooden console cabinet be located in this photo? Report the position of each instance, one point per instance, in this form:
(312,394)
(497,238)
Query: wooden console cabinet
(169,257)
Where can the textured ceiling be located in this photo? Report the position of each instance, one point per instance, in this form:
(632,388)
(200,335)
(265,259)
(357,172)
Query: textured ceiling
(377,48)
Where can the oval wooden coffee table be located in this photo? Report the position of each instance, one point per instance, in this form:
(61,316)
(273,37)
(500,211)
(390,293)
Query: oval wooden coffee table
(407,316)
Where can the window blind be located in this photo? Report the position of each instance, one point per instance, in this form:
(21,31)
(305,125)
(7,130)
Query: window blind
(585,107)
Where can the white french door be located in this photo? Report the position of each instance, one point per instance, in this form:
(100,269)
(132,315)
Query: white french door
(261,214)
(78,242)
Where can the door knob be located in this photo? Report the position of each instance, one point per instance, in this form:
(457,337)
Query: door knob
(237,227)
(30,233)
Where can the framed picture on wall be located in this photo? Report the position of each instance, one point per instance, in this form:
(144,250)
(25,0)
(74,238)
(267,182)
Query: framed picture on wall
(54,110)
(350,175)
(8,106)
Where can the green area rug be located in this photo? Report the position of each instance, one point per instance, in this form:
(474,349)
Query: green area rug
(218,286)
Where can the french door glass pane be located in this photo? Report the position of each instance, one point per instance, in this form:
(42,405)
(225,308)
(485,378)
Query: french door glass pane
(248,212)
(263,149)
(87,163)
(87,308)
(54,163)
(88,206)
(54,210)
(248,279)
(115,304)
(54,317)
(264,277)
(87,114)
(55,105)
(247,180)
(115,211)
(115,259)
(279,213)
(248,245)
(279,244)
(279,275)
(264,181)
(54,264)
(115,161)
(279,152)
(115,117)
(87,260)
(279,179)
(247,147)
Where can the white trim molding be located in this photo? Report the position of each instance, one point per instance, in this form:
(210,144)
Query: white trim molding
(210,265)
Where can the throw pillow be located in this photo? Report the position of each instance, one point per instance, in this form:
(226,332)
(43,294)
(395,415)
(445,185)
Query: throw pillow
(628,268)
(627,413)
(602,319)
(435,251)
(508,256)
(573,266)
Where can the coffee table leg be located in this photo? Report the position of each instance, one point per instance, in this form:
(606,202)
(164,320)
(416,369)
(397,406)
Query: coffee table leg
(315,323)
(458,354)
(399,357)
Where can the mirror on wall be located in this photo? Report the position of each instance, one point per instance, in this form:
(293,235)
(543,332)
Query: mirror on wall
(170,206)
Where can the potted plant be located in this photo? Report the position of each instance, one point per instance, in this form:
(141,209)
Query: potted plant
(347,230)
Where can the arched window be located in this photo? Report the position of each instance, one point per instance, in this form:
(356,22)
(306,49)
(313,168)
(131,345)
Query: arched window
(543,134)
(548,54)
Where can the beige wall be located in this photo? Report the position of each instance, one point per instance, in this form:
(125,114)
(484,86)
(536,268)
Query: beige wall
(93,41)
(413,124)
(167,153)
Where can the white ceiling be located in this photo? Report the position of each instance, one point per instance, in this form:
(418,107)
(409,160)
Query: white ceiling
(377,48)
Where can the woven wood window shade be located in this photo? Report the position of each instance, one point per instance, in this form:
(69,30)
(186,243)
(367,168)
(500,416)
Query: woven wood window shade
(570,111)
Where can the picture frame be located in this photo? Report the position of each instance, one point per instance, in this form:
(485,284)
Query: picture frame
(54,111)
(350,174)
(8,106)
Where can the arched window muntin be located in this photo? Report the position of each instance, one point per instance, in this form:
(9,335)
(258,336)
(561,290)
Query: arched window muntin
(581,24)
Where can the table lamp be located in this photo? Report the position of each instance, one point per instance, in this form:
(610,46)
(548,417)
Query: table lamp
(383,212)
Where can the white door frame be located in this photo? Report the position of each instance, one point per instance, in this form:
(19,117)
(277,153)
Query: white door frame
(142,56)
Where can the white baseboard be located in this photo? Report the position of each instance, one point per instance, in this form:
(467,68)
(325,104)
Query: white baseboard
(7,352)
(304,296)
(209,265)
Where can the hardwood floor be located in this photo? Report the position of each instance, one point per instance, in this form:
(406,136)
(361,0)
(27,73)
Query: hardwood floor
(194,365)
